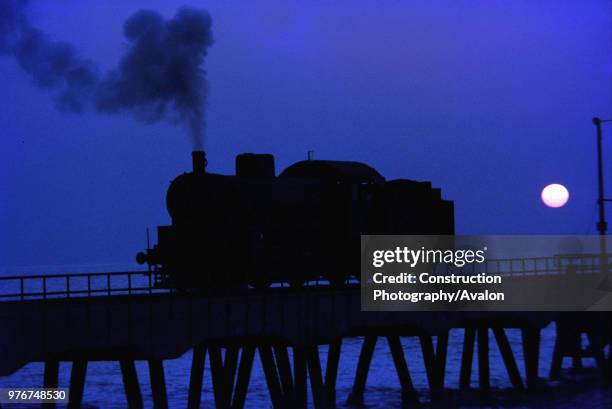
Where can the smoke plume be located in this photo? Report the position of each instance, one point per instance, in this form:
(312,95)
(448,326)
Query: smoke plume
(50,64)
(160,76)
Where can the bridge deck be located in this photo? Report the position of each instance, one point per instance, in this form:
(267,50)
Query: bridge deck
(112,316)
(163,326)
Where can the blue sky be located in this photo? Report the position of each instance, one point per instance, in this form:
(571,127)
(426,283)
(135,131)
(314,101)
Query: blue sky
(489,100)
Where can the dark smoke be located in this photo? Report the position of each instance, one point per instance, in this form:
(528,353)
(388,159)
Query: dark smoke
(160,76)
(162,71)
(53,65)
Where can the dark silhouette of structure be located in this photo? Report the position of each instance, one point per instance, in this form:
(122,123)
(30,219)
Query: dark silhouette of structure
(255,228)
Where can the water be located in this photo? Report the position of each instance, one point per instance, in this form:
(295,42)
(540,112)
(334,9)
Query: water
(104,387)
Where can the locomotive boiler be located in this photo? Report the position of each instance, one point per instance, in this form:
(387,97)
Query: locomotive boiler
(255,228)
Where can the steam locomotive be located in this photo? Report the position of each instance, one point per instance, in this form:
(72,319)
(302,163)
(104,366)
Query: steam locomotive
(255,228)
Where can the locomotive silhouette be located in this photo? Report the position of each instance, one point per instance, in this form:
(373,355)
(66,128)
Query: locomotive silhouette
(255,228)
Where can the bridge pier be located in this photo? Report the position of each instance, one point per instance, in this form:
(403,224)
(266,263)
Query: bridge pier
(223,369)
(129,376)
(196,378)
(467,356)
(299,397)
(363,367)
(283,363)
(568,343)
(230,374)
(315,372)
(435,361)
(484,376)
(480,335)
(271,375)
(288,386)
(409,395)
(245,368)
(231,369)
(215,357)
(531,355)
(77,384)
(508,357)
(51,374)
(51,379)
(158,384)
(429,358)
(331,371)
(441,353)
(130,384)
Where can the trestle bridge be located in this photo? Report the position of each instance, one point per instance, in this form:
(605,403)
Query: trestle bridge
(125,317)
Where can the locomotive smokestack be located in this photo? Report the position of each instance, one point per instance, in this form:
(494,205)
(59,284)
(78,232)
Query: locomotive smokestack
(199,161)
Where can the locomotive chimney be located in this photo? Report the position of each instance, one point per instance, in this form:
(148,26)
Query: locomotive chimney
(199,161)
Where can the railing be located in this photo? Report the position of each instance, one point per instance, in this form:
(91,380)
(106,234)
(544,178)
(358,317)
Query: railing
(526,266)
(51,286)
(77,285)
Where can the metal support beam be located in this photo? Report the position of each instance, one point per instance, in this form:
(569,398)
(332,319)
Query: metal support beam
(484,380)
(244,375)
(130,384)
(230,365)
(506,352)
(363,366)
(557,359)
(51,379)
(217,374)
(397,352)
(441,352)
(284,368)
(77,384)
(51,375)
(331,371)
(319,393)
(300,391)
(271,374)
(467,357)
(429,359)
(158,384)
(531,352)
(196,378)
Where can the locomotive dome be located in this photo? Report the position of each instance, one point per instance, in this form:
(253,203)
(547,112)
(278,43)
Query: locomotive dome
(334,171)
